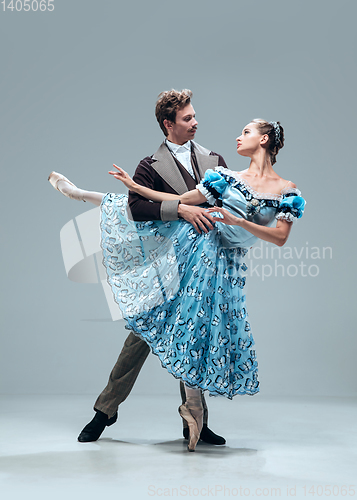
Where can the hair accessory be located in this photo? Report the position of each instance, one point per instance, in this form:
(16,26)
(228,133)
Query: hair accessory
(277,132)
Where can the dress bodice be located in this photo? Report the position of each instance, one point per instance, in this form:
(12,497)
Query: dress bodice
(242,200)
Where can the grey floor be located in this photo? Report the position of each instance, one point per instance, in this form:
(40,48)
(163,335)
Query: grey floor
(276,448)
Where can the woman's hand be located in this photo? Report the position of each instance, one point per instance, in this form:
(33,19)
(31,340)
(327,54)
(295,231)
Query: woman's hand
(124,177)
(228,217)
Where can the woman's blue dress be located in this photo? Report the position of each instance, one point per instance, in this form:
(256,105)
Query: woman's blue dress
(183,292)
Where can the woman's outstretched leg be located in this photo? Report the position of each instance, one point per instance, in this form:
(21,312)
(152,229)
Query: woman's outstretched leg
(192,412)
(66,187)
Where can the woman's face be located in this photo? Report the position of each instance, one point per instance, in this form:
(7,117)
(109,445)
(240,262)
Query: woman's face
(250,140)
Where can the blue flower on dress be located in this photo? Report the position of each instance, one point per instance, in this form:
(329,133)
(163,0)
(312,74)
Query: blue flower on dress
(293,204)
(214,180)
(254,206)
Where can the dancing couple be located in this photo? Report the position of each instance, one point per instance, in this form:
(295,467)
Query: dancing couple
(174,256)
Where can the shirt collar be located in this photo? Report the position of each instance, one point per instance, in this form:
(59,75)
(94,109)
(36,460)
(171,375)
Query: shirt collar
(178,148)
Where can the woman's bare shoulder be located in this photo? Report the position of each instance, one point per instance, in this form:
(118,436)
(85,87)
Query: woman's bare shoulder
(288,184)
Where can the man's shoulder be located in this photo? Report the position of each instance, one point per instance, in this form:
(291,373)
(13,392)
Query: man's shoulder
(147,160)
(208,152)
(201,149)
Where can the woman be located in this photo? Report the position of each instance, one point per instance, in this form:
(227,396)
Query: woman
(182,292)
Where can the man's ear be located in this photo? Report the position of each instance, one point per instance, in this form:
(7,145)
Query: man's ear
(168,124)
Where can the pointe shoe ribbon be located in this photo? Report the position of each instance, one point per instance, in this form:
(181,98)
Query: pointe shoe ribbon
(54,179)
(192,425)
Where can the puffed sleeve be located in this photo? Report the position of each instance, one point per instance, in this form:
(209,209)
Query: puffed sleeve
(212,186)
(291,206)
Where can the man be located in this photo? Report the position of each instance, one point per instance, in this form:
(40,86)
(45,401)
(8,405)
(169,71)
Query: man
(176,167)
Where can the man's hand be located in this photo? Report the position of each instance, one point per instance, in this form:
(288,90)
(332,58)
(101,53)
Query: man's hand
(197,216)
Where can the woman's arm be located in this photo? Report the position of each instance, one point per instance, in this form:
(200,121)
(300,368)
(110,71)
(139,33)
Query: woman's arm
(193,197)
(277,235)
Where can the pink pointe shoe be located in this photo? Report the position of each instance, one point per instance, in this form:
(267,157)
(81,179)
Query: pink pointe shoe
(54,179)
(192,425)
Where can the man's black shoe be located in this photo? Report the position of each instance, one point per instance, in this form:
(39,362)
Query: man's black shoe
(207,436)
(94,429)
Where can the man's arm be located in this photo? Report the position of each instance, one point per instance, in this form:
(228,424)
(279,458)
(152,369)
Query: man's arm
(140,207)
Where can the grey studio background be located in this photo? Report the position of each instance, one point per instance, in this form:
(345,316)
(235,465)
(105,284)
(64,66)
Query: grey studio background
(78,89)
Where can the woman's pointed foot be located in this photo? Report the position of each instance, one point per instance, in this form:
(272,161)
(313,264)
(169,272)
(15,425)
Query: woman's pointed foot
(194,430)
(69,190)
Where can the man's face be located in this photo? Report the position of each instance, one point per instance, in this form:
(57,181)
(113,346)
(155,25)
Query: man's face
(184,128)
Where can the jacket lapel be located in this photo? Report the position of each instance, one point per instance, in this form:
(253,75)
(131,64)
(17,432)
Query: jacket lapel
(205,162)
(166,167)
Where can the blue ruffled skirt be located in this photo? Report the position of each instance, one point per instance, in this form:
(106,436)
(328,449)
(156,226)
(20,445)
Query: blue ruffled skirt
(183,294)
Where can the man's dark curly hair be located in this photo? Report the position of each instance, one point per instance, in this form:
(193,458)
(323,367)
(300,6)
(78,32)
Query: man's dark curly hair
(168,103)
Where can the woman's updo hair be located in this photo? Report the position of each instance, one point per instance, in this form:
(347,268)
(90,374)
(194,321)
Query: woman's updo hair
(276,136)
